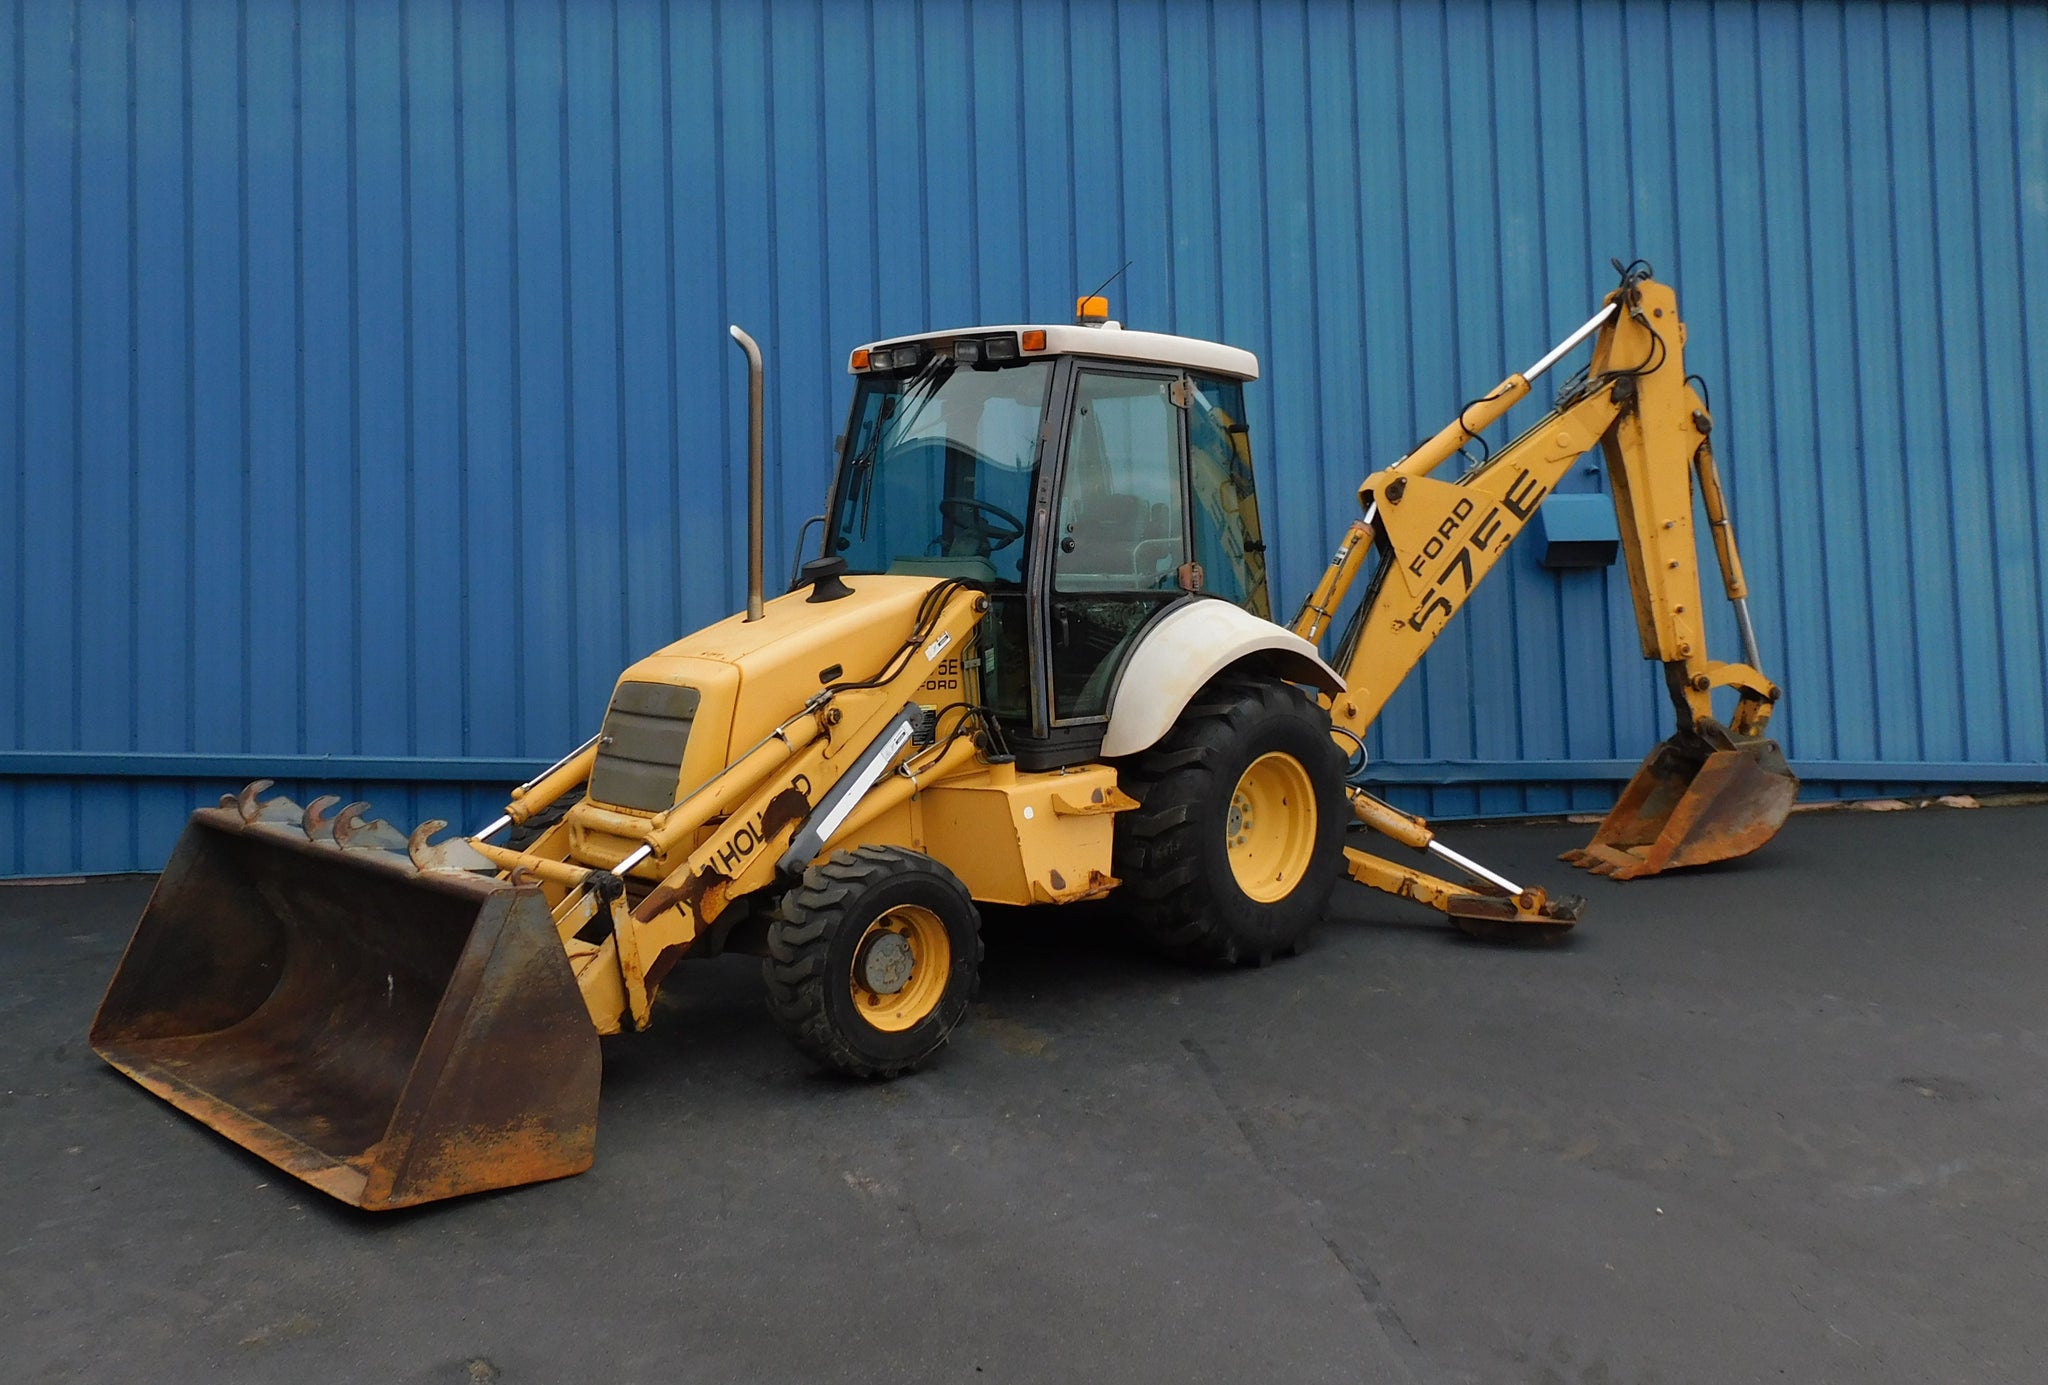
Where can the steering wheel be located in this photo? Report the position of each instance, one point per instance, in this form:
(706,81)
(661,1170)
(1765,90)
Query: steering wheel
(980,522)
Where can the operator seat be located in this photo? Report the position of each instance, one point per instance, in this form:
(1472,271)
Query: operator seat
(1105,532)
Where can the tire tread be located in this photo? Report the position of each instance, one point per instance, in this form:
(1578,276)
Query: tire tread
(800,938)
(1170,872)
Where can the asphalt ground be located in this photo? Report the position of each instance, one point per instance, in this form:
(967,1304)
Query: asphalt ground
(1781,1119)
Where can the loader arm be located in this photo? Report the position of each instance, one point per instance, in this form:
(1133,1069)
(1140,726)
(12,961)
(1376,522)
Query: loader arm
(673,874)
(1423,546)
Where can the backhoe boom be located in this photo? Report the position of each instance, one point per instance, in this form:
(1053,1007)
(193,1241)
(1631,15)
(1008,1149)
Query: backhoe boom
(1428,543)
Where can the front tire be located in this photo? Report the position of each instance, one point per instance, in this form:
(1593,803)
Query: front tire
(1239,837)
(872,960)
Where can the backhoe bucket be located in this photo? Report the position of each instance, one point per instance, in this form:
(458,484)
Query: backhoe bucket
(390,1036)
(1697,798)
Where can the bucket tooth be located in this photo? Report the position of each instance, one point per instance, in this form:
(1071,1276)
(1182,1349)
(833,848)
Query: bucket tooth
(255,809)
(245,801)
(319,819)
(352,833)
(347,819)
(455,854)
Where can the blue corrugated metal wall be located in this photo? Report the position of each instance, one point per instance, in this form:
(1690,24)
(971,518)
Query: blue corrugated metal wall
(365,395)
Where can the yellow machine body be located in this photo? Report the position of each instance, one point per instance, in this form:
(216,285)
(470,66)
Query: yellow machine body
(396,1020)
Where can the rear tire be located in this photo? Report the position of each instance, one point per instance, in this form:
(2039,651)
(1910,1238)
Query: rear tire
(1239,837)
(872,960)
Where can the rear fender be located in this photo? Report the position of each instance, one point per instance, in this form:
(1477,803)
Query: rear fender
(1186,647)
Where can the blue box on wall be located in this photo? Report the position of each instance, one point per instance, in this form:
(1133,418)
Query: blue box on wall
(1576,531)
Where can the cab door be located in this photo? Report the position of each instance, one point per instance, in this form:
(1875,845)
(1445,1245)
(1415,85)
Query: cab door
(1120,532)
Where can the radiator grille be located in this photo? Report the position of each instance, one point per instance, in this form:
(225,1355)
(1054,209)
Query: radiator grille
(640,758)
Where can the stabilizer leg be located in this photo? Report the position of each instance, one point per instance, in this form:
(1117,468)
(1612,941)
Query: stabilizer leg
(1493,906)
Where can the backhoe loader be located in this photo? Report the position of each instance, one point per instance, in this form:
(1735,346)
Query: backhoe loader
(1034,663)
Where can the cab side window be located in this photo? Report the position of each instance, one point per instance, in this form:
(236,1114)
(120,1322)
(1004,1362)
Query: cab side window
(1228,543)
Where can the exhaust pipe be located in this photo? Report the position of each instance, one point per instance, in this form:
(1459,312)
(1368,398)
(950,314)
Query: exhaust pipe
(755,519)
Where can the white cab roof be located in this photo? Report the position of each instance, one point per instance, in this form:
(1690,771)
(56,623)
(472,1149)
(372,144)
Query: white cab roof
(1109,339)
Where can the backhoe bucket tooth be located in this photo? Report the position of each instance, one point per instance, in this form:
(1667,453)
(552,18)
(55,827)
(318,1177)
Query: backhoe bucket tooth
(389,1036)
(1696,798)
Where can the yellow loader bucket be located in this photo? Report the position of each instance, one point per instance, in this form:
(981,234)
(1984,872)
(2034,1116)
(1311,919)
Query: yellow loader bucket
(1707,796)
(389,1035)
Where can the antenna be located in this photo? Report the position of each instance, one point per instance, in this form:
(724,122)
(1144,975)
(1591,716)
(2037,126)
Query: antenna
(1110,280)
(1092,310)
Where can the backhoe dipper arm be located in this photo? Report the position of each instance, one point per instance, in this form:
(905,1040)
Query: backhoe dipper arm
(1435,541)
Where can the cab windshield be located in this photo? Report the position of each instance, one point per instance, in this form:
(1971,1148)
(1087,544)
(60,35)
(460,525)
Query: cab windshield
(939,471)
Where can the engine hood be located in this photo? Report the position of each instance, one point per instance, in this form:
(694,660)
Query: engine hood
(753,675)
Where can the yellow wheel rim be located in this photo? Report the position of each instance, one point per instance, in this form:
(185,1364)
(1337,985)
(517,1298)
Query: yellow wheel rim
(1270,830)
(900,968)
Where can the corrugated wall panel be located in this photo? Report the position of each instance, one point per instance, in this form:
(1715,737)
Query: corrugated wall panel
(367,400)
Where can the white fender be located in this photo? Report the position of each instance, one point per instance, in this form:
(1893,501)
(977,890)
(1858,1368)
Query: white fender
(1186,647)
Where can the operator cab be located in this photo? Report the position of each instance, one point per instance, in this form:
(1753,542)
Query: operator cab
(1084,476)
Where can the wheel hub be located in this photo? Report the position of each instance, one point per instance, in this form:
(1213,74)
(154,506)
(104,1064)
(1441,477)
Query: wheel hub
(885,963)
(899,970)
(1269,829)
(1239,827)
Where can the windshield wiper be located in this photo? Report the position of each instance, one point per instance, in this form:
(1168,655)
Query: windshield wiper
(860,471)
